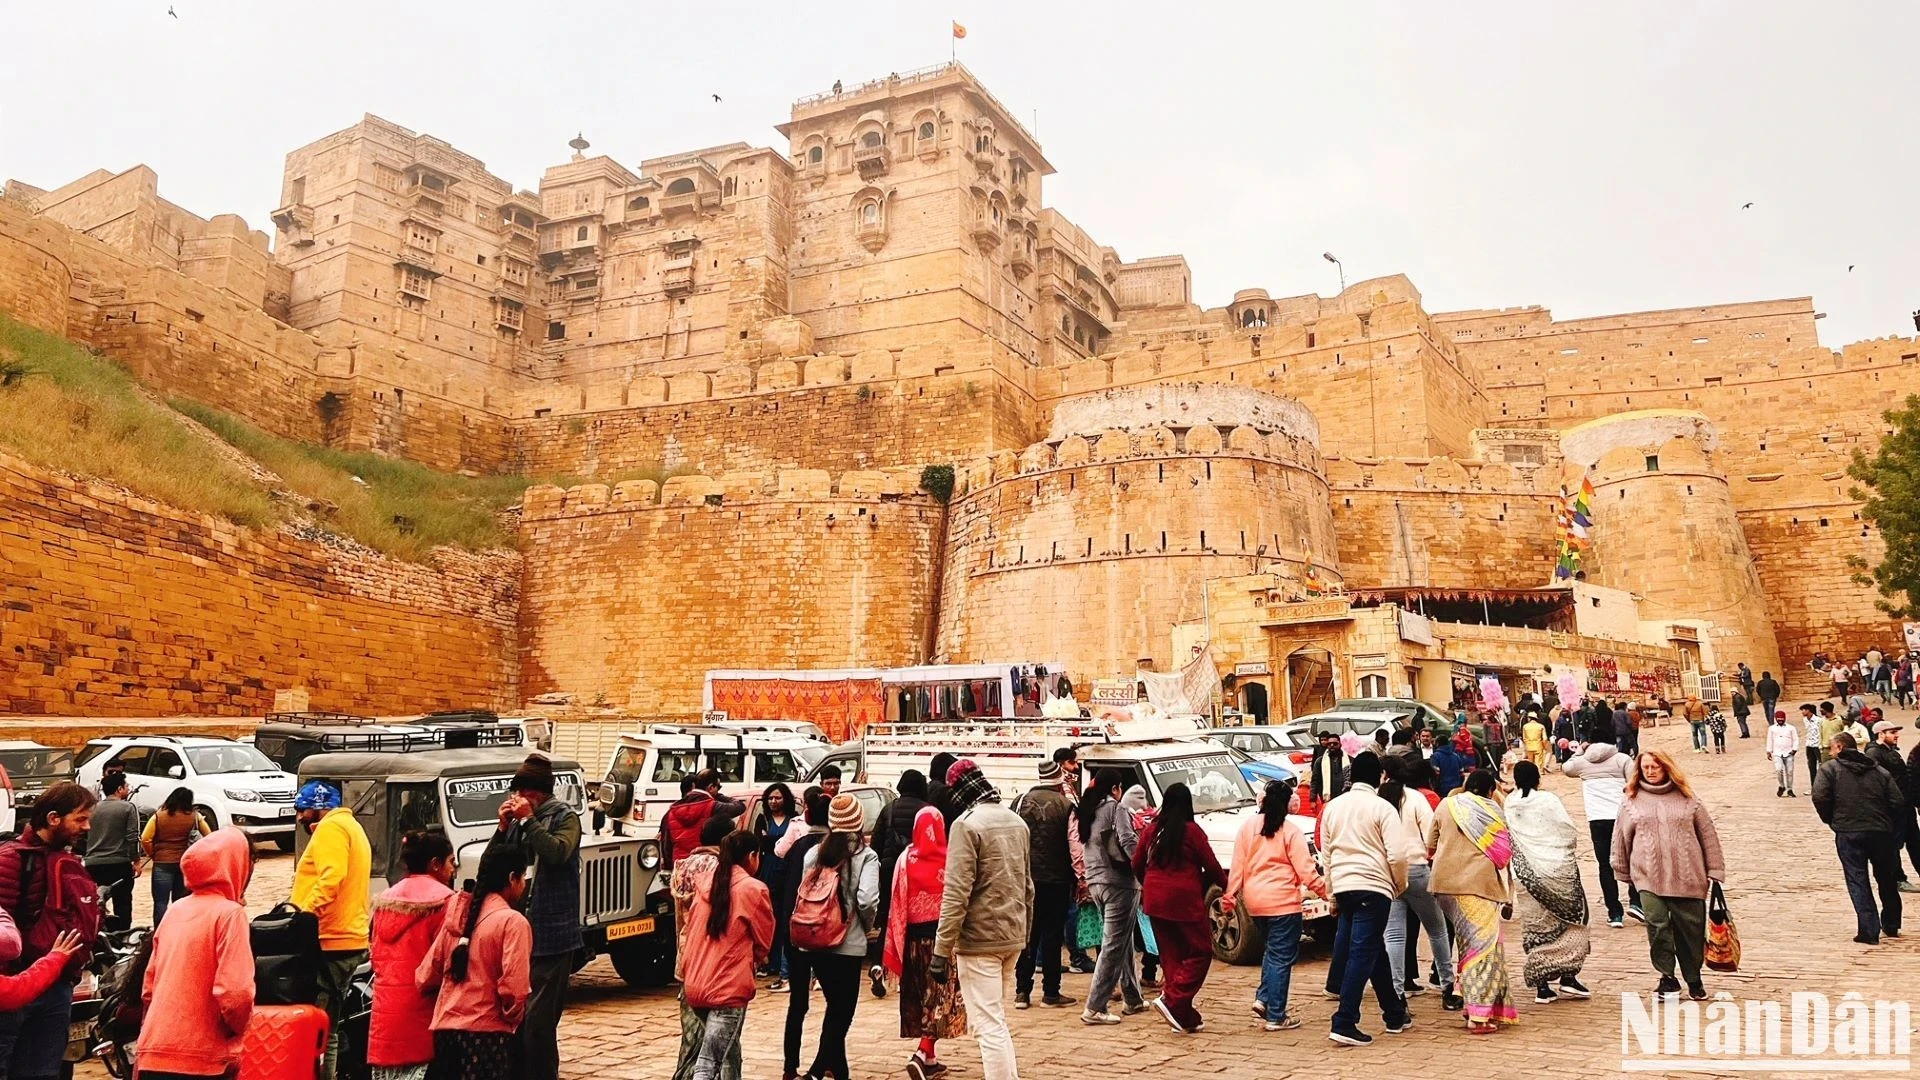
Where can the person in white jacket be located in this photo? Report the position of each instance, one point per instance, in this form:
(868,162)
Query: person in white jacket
(1602,771)
(1783,746)
(1366,860)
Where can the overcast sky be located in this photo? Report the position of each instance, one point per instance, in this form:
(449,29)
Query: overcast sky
(1591,158)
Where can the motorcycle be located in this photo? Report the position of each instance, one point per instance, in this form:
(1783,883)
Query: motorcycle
(354,1022)
(105,979)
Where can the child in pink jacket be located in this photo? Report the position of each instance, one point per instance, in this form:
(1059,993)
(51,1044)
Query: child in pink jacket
(480,971)
(202,967)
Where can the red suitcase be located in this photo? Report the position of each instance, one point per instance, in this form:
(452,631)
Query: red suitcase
(283,1042)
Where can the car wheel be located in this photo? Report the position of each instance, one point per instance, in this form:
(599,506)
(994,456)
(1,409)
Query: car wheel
(642,964)
(284,843)
(206,812)
(1237,939)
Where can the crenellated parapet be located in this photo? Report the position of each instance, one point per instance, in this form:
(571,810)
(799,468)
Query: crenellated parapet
(875,486)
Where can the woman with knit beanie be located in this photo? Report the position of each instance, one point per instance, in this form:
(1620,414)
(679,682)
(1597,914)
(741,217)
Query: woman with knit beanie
(838,968)
(1665,843)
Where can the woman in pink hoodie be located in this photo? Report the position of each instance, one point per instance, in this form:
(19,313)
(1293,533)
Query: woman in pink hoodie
(480,970)
(730,933)
(202,967)
(406,919)
(1272,874)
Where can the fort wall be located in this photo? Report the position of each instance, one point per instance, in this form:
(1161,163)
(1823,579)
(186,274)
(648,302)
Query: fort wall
(632,592)
(1438,522)
(116,606)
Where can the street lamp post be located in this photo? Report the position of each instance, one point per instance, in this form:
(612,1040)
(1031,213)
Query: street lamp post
(1328,255)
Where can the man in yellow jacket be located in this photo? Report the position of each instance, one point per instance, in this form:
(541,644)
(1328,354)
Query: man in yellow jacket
(334,881)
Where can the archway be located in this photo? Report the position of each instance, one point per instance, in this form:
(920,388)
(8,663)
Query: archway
(1253,701)
(1310,684)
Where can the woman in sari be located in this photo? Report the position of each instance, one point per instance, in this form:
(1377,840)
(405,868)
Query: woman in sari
(1471,849)
(1550,902)
(929,1010)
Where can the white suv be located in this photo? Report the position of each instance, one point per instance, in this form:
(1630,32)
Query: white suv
(232,783)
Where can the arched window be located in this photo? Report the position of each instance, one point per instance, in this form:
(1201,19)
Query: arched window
(682,186)
(1065,324)
(981,142)
(869,213)
(730,186)
(871,138)
(926,130)
(815,155)
(580,233)
(637,204)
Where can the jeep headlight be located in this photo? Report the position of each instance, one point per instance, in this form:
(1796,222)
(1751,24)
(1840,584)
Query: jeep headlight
(649,855)
(242,795)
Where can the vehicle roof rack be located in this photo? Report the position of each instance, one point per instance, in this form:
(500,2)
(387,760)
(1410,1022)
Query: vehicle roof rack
(318,719)
(454,716)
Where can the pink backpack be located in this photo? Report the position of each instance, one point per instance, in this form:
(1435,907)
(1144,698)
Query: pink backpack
(819,913)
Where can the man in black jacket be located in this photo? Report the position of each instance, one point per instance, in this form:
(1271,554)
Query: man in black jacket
(1048,814)
(1859,801)
(1327,775)
(1768,688)
(1884,751)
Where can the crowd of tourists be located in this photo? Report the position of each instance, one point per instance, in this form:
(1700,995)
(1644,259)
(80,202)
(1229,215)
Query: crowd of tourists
(951,894)
(468,984)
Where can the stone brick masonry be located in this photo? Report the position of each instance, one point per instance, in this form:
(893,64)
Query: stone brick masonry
(111,605)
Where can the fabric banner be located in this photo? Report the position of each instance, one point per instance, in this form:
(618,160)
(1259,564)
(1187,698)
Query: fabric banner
(842,708)
(1189,690)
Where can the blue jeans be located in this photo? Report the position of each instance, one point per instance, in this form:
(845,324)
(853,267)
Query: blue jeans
(1276,964)
(1699,734)
(1120,910)
(168,885)
(719,1039)
(33,1040)
(1876,851)
(1363,927)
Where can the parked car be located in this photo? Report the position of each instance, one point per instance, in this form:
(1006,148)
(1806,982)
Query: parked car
(28,769)
(1360,723)
(232,783)
(287,739)
(643,779)
(1269,743)
(625,910)
(874,801)
(1418,712)
(1262,771)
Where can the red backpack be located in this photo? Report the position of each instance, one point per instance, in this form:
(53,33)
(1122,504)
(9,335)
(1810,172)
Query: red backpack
(819,919)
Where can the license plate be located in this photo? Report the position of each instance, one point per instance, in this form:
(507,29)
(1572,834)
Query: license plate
(77,1039)
(288,811)
(630,928)
(1315,908)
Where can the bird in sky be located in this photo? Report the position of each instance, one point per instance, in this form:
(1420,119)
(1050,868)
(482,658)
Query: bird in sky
(1850,268)
(170,11)
(1746,206)
(716,97)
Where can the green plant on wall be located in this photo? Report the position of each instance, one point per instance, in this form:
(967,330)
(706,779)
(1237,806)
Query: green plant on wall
(937,481)
(1892,504)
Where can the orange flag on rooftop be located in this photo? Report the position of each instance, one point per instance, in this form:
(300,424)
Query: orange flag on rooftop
(959,31)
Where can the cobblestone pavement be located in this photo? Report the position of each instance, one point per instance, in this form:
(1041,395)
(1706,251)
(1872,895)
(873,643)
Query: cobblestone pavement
(1785,891)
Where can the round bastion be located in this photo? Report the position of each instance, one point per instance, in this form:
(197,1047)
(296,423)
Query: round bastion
(1664,527)
(1091,546)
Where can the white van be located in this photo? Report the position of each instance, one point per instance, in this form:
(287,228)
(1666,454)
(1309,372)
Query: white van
(643,779)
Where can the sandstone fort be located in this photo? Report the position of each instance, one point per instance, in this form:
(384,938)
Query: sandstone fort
(1346,494)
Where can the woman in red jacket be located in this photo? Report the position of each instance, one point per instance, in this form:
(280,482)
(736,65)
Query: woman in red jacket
(730,934)
(406,918)
(1175,867)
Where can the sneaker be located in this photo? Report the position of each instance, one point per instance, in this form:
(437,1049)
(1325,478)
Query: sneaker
(1259,1011)
(1616,921)
(1285,1023)
(1669,987)
(1544,995)
(1350,1037)
(935,1068)
(1792,794)
(1058,1001)
(1634,913)
(1166,1013)
(1136,1008)
(1091,1018)
(1082,966)
(777,986)
(1451,1001)
(1023,1001)
(1779,793)
(916,1068)
(1330,995)
(877,976)
(1697,991)
(1405,1024)
(1414,988)
(1865,940)
(1574,988)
